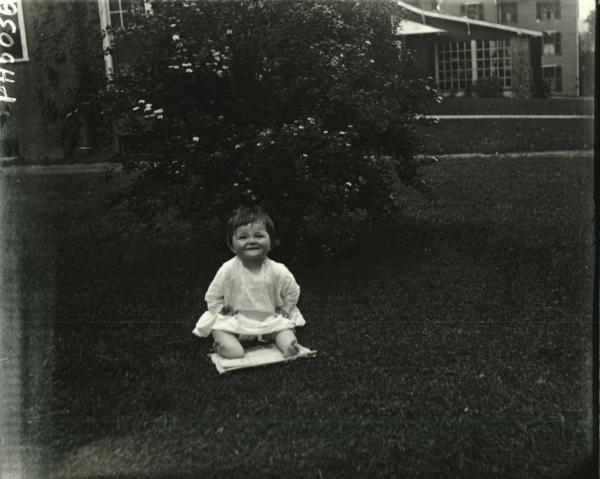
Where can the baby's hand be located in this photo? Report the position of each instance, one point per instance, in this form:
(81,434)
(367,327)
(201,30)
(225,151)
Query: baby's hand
(227,311)
(282,312)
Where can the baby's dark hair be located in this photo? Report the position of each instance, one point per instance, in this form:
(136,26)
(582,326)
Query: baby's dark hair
(246,215)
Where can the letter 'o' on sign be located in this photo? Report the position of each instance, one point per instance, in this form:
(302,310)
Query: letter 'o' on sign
(6,40)
(7,58)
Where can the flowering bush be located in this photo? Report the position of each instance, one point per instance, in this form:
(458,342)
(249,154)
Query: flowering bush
(310,109)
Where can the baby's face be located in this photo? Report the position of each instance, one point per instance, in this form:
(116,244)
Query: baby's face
(251,242)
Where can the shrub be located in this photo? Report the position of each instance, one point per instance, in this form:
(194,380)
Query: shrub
(490,87)
(298,106)
(540,89)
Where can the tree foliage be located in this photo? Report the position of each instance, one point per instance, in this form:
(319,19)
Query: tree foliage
(308,108)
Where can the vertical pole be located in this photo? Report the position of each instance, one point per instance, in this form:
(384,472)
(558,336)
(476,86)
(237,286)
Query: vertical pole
(106,36)
(435,63)
(474,74)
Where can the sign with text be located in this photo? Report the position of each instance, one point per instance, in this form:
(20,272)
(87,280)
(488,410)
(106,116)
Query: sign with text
(13,47)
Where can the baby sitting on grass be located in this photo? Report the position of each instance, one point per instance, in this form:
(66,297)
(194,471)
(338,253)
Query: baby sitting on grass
(251,295)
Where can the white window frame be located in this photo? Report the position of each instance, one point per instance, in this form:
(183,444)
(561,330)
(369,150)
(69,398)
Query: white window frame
(447,55)
(119,11)
(548,10)
(506,14)
(479,13)
(549,47)
(460,64)
(494,61)
(554,67)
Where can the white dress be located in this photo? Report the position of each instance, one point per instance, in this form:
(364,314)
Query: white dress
(254,298)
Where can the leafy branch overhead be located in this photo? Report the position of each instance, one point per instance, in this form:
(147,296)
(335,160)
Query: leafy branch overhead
(308,108)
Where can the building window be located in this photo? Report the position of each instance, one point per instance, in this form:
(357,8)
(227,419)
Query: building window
(115,14)
(508,12)
(552,45)
(472,10)
(13,44)
(119,11)
(493,60)
(454,66)
(458,64)
(553,77)
(547,10)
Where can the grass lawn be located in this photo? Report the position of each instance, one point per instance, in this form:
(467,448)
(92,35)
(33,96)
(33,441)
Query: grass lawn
(457,346)
(510,135)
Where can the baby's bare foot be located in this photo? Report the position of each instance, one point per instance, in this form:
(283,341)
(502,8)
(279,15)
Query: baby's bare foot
(291,350)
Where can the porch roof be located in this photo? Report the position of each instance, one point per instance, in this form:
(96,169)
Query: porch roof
(468,21)
(408,27)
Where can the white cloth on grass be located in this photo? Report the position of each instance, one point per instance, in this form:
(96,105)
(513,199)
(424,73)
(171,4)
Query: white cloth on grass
(255,298)
(258,356)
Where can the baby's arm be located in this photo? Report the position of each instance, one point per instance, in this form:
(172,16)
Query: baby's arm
(215,295)
(290,293)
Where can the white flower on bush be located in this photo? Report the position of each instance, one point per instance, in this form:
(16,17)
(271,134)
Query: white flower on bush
(195,139)
(142,101)
(176,38)
(189,70)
